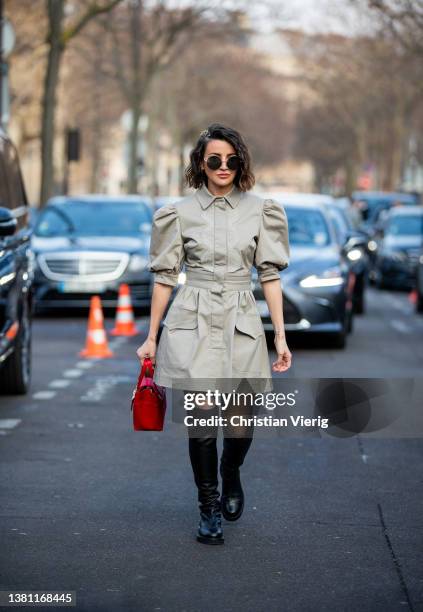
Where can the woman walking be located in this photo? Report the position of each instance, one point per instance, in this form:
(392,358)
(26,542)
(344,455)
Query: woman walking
(212,330)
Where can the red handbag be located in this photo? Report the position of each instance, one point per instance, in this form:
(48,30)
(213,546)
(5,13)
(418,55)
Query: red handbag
(148,403)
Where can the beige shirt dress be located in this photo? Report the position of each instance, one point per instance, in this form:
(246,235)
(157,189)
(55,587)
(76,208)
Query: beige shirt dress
(213,331)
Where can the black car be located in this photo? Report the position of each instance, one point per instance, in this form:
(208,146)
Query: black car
(399,248)
(355,244)
(16,274)
(87,245)
(419,282)
(318,284)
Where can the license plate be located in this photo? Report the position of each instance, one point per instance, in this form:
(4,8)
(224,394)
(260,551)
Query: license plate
(262,307)
(75,286)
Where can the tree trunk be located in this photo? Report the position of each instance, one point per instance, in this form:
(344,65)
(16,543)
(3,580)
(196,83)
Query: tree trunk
(97,131)
(350,176)
(55,11)
(135,9)
(132,186)
(181,168)
(397,144)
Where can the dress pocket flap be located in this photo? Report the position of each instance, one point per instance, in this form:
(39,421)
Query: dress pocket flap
(181,319)
(249,324)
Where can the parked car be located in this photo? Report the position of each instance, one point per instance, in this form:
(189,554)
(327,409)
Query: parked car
(373,202)
(16,274)
(87,245)
(318,284)
(419,282)
(355,243)
(399,248)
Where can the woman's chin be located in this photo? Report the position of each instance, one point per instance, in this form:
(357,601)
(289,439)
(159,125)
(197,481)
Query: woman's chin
(223,182)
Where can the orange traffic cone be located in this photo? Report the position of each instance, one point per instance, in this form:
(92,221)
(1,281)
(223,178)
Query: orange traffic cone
(96,345)
(125,324)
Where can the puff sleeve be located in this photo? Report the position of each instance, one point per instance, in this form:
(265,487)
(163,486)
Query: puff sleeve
(166,246)
(272,250)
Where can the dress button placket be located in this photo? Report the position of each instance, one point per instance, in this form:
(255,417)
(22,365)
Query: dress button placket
(220,222)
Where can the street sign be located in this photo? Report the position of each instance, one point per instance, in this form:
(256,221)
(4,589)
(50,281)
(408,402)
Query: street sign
(8,38)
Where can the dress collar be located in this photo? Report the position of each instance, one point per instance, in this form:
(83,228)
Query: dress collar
(206,198)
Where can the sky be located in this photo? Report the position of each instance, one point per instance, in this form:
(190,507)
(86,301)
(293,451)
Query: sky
(312,16)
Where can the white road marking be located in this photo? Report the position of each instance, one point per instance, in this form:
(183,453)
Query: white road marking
(85,365)
(59,383)
(43,394)
(74,373)
(402,306)
(117,342)
(400,326)
(9,423)
(102,386)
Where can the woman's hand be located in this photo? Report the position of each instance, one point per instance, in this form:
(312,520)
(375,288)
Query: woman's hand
(283,361)
(148,349)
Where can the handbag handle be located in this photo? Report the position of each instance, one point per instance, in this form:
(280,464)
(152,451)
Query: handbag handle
(147,366)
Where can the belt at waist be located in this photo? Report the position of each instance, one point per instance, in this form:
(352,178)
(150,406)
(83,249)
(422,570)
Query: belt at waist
(208,280)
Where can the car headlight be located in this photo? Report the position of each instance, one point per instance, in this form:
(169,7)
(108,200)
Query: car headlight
(372,245)
(137,263)
(331,277)
(354,254)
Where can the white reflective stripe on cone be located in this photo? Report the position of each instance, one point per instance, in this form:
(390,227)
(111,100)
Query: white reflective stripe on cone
(98,336)
(124,300)
(125,317)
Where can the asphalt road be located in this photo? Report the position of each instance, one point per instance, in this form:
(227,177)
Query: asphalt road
(88,505)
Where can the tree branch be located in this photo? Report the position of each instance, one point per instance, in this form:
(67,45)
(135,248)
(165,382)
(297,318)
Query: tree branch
(92,11)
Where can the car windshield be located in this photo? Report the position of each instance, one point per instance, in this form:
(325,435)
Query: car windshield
(340,223)
(405,225)
(94,219)
(307,227)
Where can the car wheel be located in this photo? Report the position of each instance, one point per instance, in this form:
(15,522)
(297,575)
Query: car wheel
(16,373)
(358,301)
(340,340)
(419,302)
(359,306)
(350,322)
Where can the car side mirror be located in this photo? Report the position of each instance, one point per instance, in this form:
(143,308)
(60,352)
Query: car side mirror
(8,222)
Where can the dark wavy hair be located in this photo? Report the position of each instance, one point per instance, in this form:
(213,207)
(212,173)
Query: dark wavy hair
(196,177)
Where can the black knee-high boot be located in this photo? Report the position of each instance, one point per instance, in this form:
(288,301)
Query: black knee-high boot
(204,460)
(233,455)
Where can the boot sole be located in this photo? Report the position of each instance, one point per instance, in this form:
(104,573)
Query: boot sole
(211,541)
(232,517)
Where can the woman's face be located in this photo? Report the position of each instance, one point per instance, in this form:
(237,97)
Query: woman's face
(222,177)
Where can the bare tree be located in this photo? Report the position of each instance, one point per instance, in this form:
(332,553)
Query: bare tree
(60,33)
(366,92)
(157,36)
(404,19)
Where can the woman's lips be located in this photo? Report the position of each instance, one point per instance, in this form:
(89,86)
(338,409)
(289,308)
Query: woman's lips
(223,175)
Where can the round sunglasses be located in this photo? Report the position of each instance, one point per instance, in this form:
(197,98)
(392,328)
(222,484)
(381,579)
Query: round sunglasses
(214,162)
